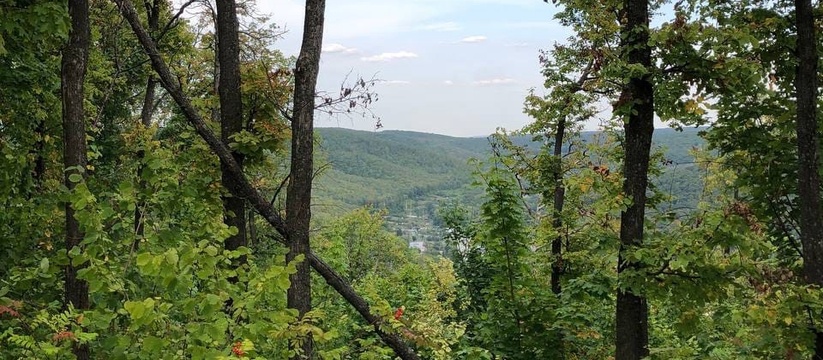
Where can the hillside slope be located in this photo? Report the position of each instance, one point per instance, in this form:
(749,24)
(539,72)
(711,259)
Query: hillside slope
(392,166)
(411,173)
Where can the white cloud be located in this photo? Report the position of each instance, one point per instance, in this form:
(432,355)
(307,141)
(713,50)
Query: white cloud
(498,81)
(519,45)
(474,39)
(390,56)
(338,49)
(444,26)
(395,82)
(448,82)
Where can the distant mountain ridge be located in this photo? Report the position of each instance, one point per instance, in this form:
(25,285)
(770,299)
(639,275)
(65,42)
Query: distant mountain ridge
(390,168)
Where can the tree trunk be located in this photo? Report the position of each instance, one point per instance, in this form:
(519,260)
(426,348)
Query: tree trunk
(557,223)
(245,190)
(38,172)
(140,209)
(298,196)
(252,230)
(146,113)
(559,189)
(72,76)
(231,115)
(808,146)
(637,101)
(559,199)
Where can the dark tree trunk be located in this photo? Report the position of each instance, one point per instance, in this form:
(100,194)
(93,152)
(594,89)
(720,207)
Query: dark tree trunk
(245,190)
(252,230)
(73,74)
(231,115)
(298,196)
(145,120)
(637,100)
(146,113)
(557,224)
(39,171)
(559,199)
(808,146)
(559,189)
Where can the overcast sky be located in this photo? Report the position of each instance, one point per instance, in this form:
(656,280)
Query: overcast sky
(454,67)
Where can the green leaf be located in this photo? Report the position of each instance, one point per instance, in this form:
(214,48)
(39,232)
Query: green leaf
(172,257)
(211,250)
(135,309)
(153,344)
(144,259)
(75,178)
(78,259)
(44,264)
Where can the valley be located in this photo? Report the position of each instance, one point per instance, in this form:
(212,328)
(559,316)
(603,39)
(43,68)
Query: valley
(411,175)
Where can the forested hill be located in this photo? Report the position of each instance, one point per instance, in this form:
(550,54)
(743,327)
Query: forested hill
(410,173)
(390,166)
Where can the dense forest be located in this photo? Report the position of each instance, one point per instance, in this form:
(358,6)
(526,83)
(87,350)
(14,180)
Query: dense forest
(165,194)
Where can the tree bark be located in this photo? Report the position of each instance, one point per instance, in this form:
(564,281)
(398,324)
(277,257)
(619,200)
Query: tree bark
(298,195)
(146,114)
(145,119)
(559,199)
(559,189)
(72,76)
(638,100)
(808,154)
(557,224)
(231,115)
(38,172)
(245,190)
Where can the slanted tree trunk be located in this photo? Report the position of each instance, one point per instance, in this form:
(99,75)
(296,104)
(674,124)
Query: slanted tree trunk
(72,76)
(808,154)
(637,102)
(231,114)
(298,196)
(245,190)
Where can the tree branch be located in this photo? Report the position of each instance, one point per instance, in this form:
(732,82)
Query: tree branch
(173,21)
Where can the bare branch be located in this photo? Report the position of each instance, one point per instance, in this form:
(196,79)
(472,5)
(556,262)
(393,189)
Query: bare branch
(173,22)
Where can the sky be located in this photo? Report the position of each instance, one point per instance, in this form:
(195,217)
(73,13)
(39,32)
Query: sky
(452,67)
